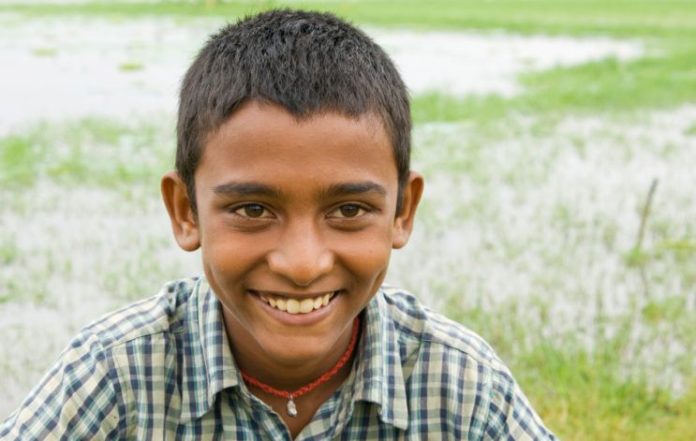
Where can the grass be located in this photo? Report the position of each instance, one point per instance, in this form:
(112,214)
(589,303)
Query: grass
(608,85)
(617,17)
(691,130)
(8,252)
(669,310)
(612,85)
(602,374)
(585,394)
(131,66)
(19,155)
(433,106)
(91,151)
(44,52)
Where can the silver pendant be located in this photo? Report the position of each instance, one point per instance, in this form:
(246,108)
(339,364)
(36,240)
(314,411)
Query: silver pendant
(292,409)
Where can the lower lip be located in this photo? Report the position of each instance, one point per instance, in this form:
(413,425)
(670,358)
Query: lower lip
(307,319)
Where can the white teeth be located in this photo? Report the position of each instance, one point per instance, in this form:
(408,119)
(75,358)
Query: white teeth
(306,305)
(294,306)
(281,304)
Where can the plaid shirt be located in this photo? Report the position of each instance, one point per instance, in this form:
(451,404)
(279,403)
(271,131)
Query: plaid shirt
(162,369)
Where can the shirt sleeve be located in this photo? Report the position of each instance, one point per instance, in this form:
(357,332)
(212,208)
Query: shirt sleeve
(510,416)
(76,399)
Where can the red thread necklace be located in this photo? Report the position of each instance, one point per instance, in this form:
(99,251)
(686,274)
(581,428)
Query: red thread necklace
(326,376)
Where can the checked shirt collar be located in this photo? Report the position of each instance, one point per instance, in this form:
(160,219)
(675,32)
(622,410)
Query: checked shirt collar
(209,366)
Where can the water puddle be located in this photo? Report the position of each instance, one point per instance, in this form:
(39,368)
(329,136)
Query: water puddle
(74,67)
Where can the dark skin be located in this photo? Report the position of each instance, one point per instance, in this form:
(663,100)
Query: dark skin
(288,212)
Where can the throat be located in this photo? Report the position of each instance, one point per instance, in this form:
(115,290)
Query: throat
(292,395)
(307,405)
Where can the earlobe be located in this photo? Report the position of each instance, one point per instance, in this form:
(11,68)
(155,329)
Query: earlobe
(183,219)
(403,223)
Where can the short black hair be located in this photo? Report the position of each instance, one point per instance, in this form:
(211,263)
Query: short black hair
(306,62)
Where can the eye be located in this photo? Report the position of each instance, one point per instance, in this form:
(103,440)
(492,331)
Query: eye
(252,211)
(348,211)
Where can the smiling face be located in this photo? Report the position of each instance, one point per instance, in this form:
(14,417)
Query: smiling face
(296,220)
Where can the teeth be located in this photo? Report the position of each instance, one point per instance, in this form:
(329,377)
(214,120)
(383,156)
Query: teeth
(281,304)
(306,305)
(294,306)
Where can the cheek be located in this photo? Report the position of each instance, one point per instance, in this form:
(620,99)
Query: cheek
(228,258)
(367,257)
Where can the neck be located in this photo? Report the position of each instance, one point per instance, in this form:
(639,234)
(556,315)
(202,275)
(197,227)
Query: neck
(325,379)
(284,374)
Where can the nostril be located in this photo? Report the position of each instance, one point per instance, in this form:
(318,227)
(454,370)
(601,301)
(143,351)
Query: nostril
(303,268)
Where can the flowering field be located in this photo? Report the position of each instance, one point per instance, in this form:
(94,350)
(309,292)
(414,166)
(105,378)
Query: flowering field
(558,142)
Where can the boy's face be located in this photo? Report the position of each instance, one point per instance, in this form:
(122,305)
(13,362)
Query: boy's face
(291,214)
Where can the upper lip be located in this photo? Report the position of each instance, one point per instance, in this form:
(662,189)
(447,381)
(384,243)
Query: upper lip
(292,295)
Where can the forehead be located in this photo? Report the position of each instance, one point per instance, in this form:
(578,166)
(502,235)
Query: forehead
(264,142)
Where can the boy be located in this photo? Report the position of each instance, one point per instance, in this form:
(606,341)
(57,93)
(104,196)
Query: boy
(292,176)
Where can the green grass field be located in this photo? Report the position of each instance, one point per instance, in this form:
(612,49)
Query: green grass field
(595,320)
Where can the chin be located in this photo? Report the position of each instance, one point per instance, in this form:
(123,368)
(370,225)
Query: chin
(300,350)
(293,358)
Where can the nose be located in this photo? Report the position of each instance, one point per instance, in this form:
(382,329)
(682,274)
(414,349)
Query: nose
(301,255)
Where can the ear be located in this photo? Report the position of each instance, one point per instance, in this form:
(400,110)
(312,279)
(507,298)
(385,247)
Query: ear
(403,222)
(182,217)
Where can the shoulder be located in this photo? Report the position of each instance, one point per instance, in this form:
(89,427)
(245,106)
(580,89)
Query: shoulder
(162,313)
(459,372)
(414,321)
(86,374)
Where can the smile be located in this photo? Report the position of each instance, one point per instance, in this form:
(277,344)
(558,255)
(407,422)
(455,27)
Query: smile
(296,306)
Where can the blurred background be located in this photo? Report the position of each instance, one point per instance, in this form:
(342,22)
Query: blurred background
(558,142)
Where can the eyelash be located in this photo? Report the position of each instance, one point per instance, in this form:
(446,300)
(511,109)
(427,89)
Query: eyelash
(264,215)
(362,210)
(235,210)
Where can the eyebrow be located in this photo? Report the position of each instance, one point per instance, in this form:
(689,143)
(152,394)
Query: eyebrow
(334,190)
(354,188)
(246,189)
